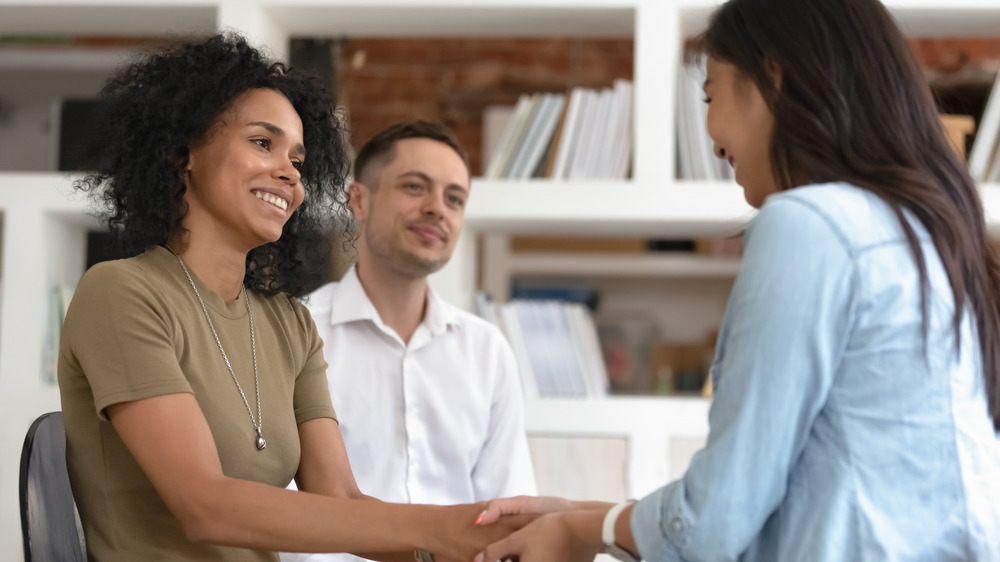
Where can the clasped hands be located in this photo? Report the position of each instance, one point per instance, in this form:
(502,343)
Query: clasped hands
(532,529)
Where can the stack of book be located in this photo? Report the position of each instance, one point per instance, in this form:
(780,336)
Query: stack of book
(585,135)
(695,150)
(556,345)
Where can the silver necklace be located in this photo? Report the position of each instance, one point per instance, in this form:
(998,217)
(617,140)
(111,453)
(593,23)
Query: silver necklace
(258,422)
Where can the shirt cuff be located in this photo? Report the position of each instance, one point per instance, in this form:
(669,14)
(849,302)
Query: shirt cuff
(657,536)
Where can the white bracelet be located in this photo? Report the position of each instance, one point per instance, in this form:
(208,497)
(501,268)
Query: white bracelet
(608,533)
(421,555)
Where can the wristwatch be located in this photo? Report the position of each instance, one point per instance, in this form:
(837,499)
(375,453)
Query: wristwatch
(608,534)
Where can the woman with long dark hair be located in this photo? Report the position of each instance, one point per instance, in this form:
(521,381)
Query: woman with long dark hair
(857,374)
(193,382)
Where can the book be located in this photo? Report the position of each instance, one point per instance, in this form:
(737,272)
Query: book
(531,133)
(511,327)
(560,349)
(607,144)
(507,143)
(538,136)
(495,119)
(685,148)
(984,146)
(556,346)
(562,294)
(577,157)
(536,341)
(696,152)
(536,101)
(704,148)
(571,133)
(621,152)
(585,134)
(557,135)
(587,348)
(587,167)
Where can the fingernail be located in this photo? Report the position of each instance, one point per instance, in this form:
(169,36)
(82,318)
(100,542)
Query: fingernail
(478,558)
(478,521)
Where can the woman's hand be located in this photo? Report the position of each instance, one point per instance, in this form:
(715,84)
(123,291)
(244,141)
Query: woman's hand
(456,537)
(566,536)
(524,505)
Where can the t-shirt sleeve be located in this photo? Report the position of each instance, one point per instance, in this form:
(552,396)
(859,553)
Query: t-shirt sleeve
(312,394)
(121,338)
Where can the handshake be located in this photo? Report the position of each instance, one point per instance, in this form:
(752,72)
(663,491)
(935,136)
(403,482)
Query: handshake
(529,529)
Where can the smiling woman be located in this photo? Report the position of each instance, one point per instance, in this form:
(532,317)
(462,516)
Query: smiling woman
(740,123)
(246,175)
(192,381)
(857,372)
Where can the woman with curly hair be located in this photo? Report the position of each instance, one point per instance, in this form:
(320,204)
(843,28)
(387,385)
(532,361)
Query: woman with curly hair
(193,383)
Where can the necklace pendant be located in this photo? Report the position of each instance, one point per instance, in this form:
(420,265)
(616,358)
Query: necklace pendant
(254,423)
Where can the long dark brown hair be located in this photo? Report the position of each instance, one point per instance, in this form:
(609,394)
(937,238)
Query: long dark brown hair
(853,106)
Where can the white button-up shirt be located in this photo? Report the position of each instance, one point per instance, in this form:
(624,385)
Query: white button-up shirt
(438,421)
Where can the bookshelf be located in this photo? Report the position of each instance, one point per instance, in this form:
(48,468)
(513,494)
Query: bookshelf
(648,264)
(662,432)
(657,207)
(43,224)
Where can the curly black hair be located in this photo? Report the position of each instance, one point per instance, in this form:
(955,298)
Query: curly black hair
(160,106)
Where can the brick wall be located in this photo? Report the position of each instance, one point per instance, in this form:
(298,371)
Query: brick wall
(953,55)
(383,81)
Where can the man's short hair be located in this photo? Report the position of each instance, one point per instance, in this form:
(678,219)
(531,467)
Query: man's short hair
(382,147)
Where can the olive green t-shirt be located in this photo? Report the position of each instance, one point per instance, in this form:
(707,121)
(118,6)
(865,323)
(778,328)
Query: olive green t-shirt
(135,330)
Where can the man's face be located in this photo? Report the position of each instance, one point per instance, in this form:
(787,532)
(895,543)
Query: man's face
(412,220)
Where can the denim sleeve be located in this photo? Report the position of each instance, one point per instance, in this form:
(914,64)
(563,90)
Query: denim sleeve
(782,337)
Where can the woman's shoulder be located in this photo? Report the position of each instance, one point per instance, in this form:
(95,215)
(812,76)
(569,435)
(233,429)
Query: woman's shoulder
(117,292)
(117,273)
(836,200)
(136,279)
(856,217)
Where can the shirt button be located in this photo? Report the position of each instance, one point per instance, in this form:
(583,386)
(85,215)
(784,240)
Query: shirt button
(677,524)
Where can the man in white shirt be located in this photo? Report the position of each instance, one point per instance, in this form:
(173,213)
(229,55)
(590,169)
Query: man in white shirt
(427,395)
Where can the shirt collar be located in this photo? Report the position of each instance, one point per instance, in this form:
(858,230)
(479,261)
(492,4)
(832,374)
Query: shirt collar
(351,303)
(439,316)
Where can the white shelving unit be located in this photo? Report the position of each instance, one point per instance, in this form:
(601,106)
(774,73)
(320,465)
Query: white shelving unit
(661,433)
(626,265)
(43,224)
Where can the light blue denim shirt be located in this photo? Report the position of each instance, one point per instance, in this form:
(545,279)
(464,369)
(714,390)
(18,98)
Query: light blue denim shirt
(833,436)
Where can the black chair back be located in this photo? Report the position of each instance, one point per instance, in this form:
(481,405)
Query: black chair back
(50,524)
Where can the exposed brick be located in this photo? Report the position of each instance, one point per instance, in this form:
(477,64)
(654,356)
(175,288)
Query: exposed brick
(951,52)
(454,80)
